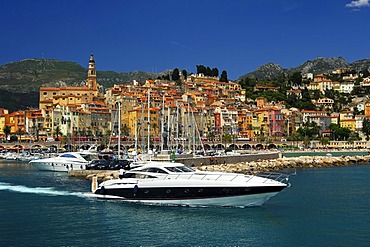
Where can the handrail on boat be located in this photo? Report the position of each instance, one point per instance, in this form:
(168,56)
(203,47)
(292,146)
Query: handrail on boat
(277,176)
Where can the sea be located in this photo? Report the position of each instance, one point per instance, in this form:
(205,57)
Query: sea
(323,207)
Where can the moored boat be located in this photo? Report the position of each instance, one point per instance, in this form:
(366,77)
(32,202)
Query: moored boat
(65,161)
(171,183)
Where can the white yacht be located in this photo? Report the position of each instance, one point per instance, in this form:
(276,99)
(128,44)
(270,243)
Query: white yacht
(65,161)
(171,183)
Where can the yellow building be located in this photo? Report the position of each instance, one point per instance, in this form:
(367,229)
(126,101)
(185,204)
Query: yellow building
(348,123)
(2,125)
(138,122)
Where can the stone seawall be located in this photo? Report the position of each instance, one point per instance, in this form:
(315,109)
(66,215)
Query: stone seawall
(287,163)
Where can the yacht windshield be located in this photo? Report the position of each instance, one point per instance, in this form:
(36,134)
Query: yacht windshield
(179,169)
(68,156)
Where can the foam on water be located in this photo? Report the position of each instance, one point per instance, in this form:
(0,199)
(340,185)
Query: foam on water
(38,190)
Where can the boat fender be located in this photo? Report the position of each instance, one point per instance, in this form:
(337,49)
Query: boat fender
(67,167)
(136,189)
(94,183)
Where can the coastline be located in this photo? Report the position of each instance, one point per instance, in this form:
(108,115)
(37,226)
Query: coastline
(285,163)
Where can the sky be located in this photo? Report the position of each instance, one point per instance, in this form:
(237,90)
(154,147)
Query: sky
(155,35)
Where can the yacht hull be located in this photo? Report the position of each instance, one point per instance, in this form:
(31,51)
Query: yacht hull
(57,167)
(64,162)
(223,196)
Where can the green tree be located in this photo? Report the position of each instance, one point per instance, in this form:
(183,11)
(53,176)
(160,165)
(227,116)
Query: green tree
(214,72)
(185,74)
(57,133)
(175,74)
(366,128)
(19,133)
(125,130)
(211,136)
(306,141)
(296,78)
(324,141)
(201,69)
(342,134)
(333,128)
(6,131)
(13,138)
(223,77)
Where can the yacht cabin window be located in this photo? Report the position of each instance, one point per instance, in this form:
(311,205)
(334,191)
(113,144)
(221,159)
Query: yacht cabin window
(154,170)
(179,169)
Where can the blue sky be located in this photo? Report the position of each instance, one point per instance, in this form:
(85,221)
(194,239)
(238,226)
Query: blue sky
(155,35)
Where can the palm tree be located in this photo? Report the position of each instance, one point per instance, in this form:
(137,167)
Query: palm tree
(324,141)
(125,130)
(20,132)
(57,132)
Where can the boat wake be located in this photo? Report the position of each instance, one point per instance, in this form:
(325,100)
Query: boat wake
(49,191)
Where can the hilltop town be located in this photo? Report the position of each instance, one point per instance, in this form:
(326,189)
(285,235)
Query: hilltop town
(180,110)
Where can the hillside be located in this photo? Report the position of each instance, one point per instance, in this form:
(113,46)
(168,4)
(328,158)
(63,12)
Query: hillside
(319,65)
(21,81)
(29,75)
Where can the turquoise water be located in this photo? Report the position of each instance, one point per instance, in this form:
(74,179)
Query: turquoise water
(324,207)
(349,153)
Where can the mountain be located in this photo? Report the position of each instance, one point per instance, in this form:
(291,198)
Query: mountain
(28,75)
(267,71)
(31,74)
(319,65)
(322,65)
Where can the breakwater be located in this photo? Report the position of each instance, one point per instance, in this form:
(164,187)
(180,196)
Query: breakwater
(279,164)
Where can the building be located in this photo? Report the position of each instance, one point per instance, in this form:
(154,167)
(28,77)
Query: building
(74,97)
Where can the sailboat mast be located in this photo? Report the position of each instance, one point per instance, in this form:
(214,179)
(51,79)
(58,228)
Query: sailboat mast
(119,130)
(148,120)
(177,127)
(162,125)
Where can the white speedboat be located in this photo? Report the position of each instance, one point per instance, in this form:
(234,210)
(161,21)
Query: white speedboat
(65,161)
(176,184)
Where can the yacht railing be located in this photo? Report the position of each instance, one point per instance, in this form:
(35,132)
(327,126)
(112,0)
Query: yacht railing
(280,177)
(277,176)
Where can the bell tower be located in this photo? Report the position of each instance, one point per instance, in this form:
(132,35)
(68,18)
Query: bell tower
(91,74)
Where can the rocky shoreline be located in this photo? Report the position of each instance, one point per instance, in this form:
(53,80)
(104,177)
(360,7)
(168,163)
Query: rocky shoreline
(259,166)
(287,163)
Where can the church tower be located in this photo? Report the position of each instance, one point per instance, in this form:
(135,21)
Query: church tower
(91,75)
